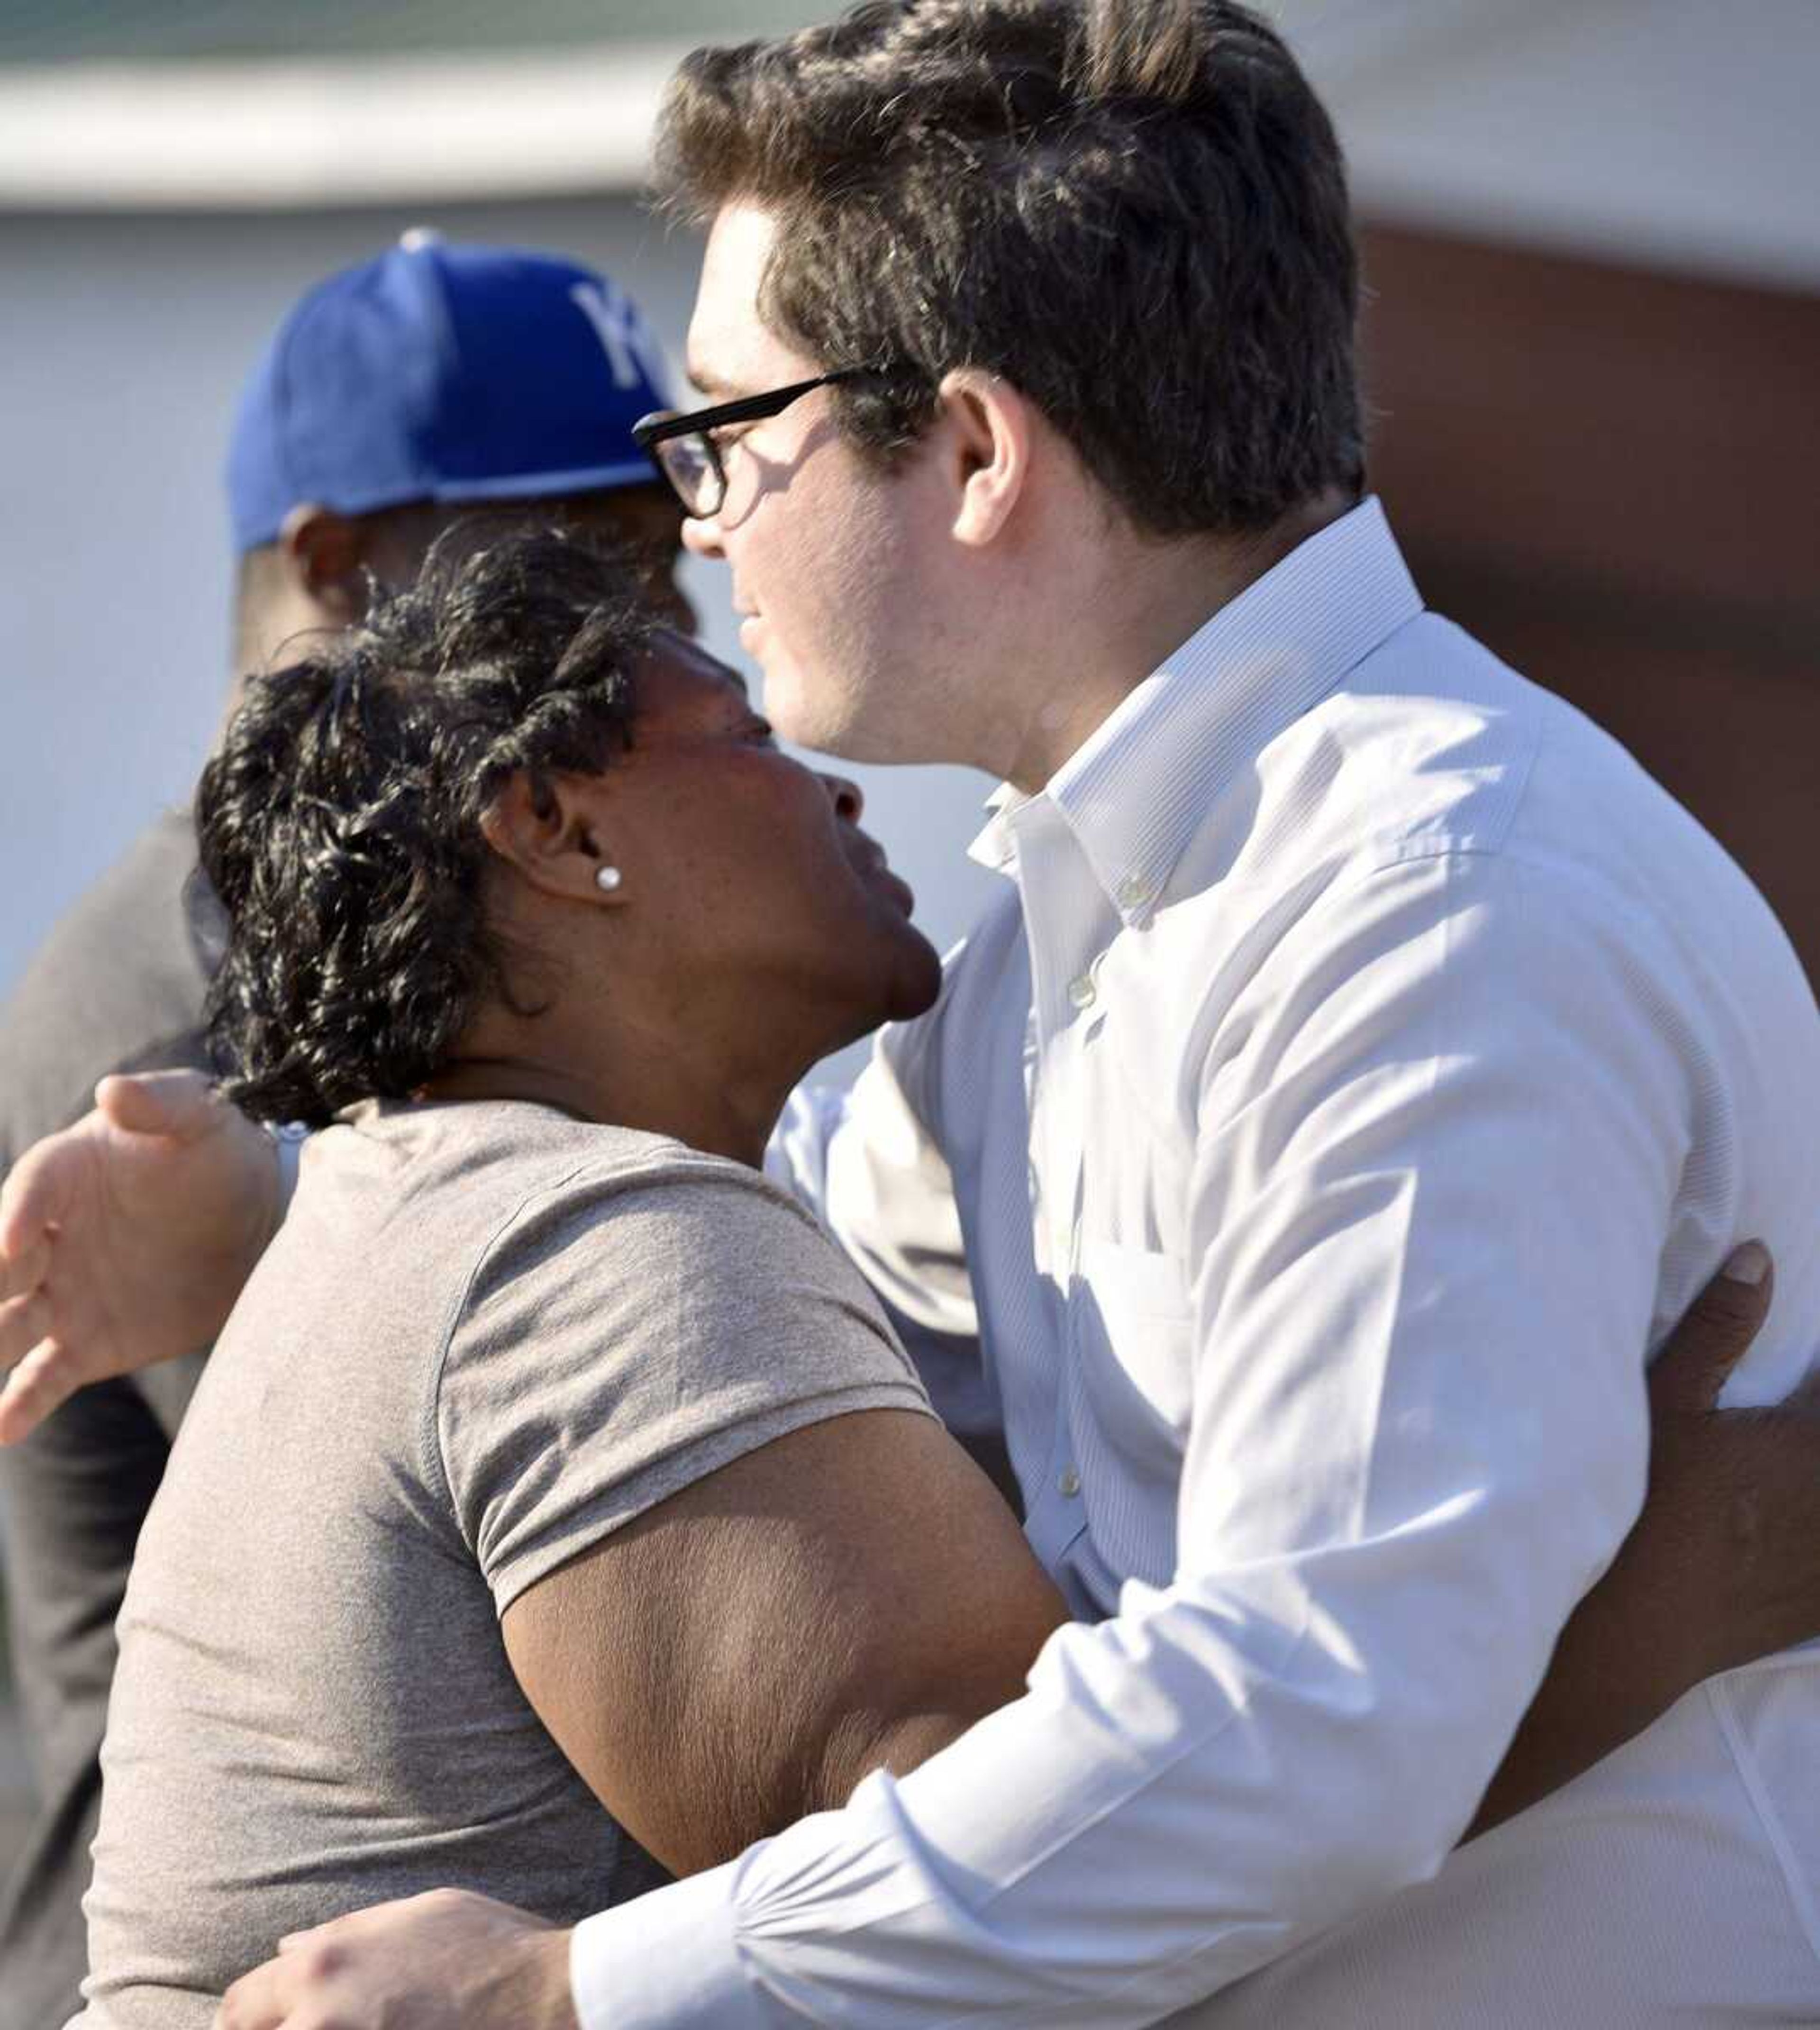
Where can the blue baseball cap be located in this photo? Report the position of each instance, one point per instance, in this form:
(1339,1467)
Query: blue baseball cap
(444,372)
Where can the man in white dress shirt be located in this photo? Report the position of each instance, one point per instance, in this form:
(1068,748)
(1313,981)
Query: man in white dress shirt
(1365,1062)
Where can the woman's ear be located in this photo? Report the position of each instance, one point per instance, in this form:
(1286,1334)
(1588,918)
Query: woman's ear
(548,828)
(990,429)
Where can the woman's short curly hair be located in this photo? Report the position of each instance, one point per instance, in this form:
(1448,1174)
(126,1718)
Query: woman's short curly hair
(340,822)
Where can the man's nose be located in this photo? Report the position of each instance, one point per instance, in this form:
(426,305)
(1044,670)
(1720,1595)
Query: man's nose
(845,797)
(701,535)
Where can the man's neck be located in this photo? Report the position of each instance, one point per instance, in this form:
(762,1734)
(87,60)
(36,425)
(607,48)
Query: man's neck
(1145,600)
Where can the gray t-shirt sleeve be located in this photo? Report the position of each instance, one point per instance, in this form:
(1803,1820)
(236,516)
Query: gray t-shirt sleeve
(627,1332)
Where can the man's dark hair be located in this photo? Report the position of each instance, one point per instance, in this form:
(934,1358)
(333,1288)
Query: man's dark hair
(1135,210)
(340,822)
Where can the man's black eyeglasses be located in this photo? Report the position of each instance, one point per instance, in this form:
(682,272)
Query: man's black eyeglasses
(683,448)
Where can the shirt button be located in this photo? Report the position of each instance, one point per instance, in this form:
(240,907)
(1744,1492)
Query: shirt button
(1082,991)
(1068,1482)
(1134,892)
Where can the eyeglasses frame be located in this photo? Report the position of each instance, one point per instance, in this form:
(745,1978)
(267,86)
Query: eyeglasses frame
(661,425)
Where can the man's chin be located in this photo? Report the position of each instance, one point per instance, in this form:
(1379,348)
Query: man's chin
(797,711)
(833,720)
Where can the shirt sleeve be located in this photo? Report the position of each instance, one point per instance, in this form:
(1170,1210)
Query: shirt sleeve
(1433,1185)
(622,1336)
(869,1163)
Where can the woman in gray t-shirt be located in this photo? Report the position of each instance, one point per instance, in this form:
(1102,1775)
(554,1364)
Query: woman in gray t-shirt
(557,1486)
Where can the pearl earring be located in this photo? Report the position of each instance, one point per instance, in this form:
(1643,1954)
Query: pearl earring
(608,878)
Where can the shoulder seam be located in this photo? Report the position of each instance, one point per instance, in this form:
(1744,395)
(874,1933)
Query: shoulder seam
(709,1172)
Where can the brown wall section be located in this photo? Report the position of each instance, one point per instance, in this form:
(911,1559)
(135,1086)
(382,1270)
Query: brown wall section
(1612,477)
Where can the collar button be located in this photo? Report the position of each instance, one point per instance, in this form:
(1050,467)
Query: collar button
(1135,891)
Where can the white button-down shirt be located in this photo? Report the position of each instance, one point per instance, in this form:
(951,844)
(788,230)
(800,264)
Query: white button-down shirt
(1366,1064)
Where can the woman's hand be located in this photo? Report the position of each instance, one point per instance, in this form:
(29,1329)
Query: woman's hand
(1722,1567)
(125,1240)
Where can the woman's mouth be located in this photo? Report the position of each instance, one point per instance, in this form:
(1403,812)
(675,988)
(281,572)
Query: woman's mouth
(875,867)
(900,889)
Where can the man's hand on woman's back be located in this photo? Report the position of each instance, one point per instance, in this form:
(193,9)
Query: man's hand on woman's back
(125,1240)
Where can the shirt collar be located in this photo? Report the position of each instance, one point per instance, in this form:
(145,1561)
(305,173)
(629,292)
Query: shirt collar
(1134,792)
(993,846)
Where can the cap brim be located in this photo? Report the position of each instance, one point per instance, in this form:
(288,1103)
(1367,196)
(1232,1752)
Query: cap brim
(532,486)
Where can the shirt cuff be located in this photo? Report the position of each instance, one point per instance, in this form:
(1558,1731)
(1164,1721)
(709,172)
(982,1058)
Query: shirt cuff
(664,1960)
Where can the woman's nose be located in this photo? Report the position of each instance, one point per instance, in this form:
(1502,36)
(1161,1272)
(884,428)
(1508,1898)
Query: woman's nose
(846,797)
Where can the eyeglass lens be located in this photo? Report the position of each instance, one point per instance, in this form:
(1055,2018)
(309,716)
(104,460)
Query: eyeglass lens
(694,470)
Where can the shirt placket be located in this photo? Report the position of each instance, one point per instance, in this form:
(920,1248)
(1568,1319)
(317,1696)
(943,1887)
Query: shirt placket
(1057,891)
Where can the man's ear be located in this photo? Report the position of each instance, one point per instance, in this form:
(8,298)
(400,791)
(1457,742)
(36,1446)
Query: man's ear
(990,430)
(324,554)
(548,829)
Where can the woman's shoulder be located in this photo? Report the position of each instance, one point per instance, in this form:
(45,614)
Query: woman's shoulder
(654,1206)
(473,1160)
(499,1192)
(493,1156)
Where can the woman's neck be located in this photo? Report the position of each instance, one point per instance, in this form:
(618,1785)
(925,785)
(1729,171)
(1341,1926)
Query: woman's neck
(722,1110)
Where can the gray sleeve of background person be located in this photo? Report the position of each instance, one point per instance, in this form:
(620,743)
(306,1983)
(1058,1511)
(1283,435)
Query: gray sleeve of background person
(627,1333)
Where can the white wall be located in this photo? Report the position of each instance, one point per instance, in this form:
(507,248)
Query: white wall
(123,345)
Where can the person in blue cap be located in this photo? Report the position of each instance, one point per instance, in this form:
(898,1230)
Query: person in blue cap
(439,380)
(397,396)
